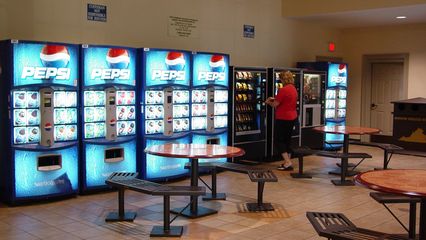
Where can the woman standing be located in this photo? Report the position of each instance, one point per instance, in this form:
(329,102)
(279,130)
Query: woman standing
(285,103)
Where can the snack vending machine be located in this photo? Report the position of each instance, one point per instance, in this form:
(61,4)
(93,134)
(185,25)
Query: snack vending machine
(275,84)
(39,137)
(313,108)
(109,140)
(166,109)
(210,84)
(249,119)
(335,98)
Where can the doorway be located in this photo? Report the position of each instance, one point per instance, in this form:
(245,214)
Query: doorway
(384,80)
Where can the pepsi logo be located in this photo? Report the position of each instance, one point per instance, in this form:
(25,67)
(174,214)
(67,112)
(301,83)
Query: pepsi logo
(48,126)
(217,63)
(55,56)
(175,61)
(118,58)
(342,68)
(112,122)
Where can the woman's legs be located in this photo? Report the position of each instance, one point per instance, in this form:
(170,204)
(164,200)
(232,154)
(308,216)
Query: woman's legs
(284,132)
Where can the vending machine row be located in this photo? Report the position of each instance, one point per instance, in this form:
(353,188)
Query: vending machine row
(76,113)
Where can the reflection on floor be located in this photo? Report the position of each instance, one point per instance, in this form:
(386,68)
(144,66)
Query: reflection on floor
(83,217)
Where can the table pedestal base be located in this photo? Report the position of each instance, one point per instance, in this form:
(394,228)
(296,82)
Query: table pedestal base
(115,217)
(201,212)
(174,231)
(344,183)
(217,196)
(255,207)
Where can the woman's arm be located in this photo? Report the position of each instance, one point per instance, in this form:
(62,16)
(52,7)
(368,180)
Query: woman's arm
(272,102)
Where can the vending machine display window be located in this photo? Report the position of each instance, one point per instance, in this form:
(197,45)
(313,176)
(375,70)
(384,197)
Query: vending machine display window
(247,107)
(342,103)
(26,117)
(126,112)
(94,114)
(342,94)
(330,103)
(330,94)
(312,89)
(330,113)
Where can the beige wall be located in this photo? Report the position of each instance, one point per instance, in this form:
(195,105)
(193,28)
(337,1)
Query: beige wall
(409,39)
(298,8)
(143,23)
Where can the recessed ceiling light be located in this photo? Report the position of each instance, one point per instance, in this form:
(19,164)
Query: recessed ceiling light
(401,17)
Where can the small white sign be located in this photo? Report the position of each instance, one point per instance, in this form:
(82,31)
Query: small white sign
(183,27)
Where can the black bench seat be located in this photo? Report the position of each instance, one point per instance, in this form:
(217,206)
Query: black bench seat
(256,174)
(126,180)
(389,198)
(338,226)
(305,151)
(388,150)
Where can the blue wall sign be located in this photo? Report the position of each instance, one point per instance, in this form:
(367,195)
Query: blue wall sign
(96,12)
(248,31)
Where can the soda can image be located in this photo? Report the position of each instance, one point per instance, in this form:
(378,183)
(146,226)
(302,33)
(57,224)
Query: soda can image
(71,99)
(20,117)
(20,135)
(33,99)
(71,115)
(131,113)
(99,98)
(59,115)
(89,114)
(149,97)
(159,99)
(19,99)
(100,130)
(159,112)
(88,98)
(100,114)
(60,133)
(121,113)
(121,97)
(185,124)
(121,128)
(89,130)
(33,134)
(130,97)
(131,128)
(59,99)
(33,116)
(71,132)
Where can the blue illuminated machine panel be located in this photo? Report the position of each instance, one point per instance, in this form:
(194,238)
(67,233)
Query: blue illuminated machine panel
(109,99)
(41,135)
(210,69)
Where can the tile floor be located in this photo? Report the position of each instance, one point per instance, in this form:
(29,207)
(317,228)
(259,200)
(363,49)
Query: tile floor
(82,217)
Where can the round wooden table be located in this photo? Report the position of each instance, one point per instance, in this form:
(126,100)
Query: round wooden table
(194,152)
(346,131)
(409,182)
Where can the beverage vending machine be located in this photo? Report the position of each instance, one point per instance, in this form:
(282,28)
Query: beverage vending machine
(210,86)
(274,86)
(335,98)
(313,108)
(39,113)
(109,111)
(250,111)
(166,109)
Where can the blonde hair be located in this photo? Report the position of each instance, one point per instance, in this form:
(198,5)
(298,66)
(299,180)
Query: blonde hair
(286,77)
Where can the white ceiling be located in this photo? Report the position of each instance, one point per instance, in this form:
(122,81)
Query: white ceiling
(371,17)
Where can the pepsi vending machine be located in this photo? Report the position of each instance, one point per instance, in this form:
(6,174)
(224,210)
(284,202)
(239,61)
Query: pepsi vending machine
(108,113)
(39,138)
(166,109)
(210,87)
(335,98)
(274,85)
